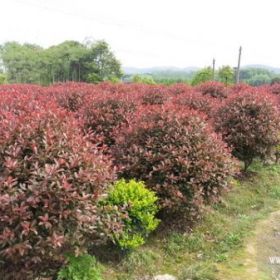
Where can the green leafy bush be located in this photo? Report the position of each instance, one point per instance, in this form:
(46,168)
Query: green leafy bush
(143,79)
(83,267)
(140,204)
(3,79)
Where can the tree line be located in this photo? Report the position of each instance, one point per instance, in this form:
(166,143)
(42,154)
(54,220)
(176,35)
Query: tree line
(68,61)
(225,74)
(95,62)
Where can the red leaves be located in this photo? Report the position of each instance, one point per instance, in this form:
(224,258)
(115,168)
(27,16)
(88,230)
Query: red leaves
(28,228)
(250,123)
(176,153)
(103,116)
(44,221)
(213,89)
(54,146)
(49,173)
(56,240)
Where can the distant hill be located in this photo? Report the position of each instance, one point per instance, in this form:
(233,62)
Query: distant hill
(261,66)
(151,70)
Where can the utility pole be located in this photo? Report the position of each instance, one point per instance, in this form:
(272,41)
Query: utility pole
(238,66)
(213,69)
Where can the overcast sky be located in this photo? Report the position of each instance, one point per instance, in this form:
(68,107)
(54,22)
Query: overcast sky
(144,33)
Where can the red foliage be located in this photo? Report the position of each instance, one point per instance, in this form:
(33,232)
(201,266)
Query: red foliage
(103,115)
(179,89)
(240,88)
(197,101)
(51,175)
(155,96)
(50,179)
(275,88)
(177,154)
(214,89)
(249,122)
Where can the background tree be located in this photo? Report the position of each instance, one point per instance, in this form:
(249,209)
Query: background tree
(100,61)
(203,75)
(143,79)
(257,76)
(2,78)
(226,74)
(68,61)
(21,61)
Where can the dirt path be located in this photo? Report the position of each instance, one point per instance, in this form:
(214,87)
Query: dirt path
(261,258)
(266,246)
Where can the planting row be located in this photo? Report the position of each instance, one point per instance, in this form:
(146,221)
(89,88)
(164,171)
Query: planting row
(84,165)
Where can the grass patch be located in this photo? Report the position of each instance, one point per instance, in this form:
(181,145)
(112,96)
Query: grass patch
(215,247)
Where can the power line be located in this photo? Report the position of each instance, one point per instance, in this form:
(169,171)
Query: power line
(123,24)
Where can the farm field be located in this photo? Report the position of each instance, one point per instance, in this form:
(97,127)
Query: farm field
(128,181)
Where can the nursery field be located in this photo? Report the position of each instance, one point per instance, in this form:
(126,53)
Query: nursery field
(129,181)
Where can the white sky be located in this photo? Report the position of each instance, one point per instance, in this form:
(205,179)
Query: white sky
(144,33)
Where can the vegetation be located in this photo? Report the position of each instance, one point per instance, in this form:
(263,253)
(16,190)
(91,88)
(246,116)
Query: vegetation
(203,75)
(176,154)
(69,61)
(103,116)
(254,76)
(257,76)
(63,146)
(215,249)
(250,124)
(140,204)
(143,79)
(2,78)
(226,75)
(214,89)
(83,267)
(50,181)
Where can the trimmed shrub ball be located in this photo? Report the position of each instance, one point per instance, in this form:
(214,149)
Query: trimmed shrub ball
(177,154)
(249,122)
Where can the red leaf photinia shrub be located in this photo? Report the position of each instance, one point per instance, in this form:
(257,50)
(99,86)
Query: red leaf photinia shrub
(177,154)
(213,88)
(50,180)
(250,124)
(103,115)
(238,88)
(197,101)
(275,88)
(155,95)
(70,96)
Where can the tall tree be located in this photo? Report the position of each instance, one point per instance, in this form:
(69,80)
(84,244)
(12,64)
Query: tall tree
(202,75)
(226,74)
(101,63)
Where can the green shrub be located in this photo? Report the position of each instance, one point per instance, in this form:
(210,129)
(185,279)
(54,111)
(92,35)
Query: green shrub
(3,79)
(143,80)
(83,267)
(141,207)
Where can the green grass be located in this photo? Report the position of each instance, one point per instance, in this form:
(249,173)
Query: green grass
(215,247)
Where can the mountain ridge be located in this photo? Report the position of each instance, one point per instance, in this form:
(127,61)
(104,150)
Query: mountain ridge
(157,69)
